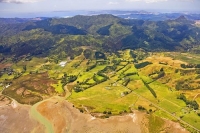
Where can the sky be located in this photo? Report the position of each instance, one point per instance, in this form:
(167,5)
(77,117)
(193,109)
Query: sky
(29,8)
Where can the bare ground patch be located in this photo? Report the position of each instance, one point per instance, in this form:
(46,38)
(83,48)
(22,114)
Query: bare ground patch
(17,120)
(65,118)
(31,89)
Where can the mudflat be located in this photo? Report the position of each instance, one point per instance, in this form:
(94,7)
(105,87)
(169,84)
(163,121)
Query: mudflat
(15,118)
(66,118)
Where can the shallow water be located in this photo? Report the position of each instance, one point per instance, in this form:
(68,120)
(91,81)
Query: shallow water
(37,116)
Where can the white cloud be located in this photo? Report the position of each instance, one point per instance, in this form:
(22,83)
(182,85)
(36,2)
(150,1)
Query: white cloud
(133,0)
(147,1)
(113,3)
(154,1)
(19,1)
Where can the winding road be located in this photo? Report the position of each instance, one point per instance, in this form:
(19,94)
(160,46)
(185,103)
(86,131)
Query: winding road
(196,96)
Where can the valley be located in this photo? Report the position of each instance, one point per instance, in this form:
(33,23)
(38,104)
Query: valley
(99,73)
(117,85)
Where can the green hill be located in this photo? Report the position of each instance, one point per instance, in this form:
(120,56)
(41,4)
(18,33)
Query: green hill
(102,32)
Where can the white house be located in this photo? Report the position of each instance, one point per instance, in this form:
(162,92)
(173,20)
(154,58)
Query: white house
(63,63)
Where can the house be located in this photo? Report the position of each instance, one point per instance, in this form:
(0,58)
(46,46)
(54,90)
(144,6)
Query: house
(107,88)
(63,63)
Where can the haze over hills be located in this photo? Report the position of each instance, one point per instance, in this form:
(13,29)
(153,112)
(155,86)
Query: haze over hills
(128,14)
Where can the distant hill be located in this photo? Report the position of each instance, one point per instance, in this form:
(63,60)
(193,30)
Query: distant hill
(19,20)
(104,32)
(154,16)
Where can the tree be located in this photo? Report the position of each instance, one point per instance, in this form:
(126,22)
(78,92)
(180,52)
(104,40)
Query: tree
(141,108)
(77,88)
(109,112)
(195,105)
(24,68)
(104,112)
(87,53)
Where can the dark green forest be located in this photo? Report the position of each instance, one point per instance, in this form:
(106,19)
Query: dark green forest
(105,33)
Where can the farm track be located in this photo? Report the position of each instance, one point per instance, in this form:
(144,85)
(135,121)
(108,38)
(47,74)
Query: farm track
(171,102)
(138,95)
(157,106)
(196,96)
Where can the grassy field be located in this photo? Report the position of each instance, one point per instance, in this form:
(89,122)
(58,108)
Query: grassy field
(97,97)
(111,95)
(186,57)
(164,115)
(193,119)
(6,77)
(30,89)
(85,75)
(1,87)
(102,97)
(58,87)
(155,124)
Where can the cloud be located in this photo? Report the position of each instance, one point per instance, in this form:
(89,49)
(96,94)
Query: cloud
(147,1)
(19,1)
(113,3)
(154,1)
(188,0)
(133,0)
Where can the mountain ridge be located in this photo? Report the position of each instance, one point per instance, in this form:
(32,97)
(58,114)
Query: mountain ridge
(108,32)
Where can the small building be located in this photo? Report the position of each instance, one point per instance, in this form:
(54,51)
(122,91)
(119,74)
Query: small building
(63,63)
(107,88)
(122,94)
(114,84)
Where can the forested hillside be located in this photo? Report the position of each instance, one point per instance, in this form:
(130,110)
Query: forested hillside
(102,32)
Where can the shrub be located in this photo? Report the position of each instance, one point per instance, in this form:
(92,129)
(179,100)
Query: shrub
(198,114)
(143,64)
(109,112)
(104,112)
(141,108)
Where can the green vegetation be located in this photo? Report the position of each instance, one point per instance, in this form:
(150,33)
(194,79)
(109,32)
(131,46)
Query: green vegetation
(141,65)
(150,89)
(155,124)
(110,65)
(30,89)
(191,104)
(105,33)
(58,87)
(101,87)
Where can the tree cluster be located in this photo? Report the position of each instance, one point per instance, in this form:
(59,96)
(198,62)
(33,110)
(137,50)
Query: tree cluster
(190,65)
(192,104)
(150,89)
(143,64)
